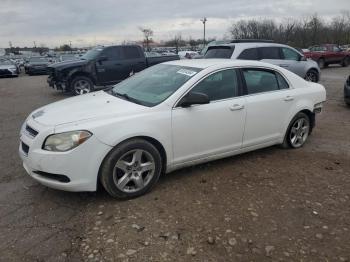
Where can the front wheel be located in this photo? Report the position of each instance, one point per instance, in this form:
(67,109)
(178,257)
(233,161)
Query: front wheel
(131,169)
(311,76)
(81,85)
(298,131)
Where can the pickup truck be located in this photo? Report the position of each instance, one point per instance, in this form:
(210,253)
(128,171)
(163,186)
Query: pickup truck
(328,54)
(101,66)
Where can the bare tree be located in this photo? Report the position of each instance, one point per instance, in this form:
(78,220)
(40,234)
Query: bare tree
(300,33)
(147,33)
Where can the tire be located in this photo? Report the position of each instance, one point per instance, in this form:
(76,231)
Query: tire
(345,62)
(81,85)
(295,137)
(312,76)
(321,63)
(122,173)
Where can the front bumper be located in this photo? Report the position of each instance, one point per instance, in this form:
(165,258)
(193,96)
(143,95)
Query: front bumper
(80,165)
(58,85)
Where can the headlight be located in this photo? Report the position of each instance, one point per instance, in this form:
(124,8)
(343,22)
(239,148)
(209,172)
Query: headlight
(65,141)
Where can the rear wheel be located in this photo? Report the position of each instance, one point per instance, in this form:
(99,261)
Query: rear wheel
(298,131)
(131,169)
(312,76)
(81,85)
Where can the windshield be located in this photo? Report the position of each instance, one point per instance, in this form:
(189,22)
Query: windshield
(155,84)
(38,59)
(92,54)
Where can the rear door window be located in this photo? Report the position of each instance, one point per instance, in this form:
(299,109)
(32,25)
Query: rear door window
(219,52)
(249,54)
(282,83)
(290,54)
(260,80)
(269,53)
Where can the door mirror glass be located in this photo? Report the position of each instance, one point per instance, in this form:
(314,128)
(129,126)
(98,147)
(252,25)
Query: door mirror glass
(194,98)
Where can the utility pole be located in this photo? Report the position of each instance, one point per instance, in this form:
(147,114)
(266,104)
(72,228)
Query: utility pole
(204,20)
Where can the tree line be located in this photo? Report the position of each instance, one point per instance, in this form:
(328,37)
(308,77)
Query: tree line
(301,33)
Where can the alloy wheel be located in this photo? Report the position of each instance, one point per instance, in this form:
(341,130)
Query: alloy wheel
(299,132)
(133,171)
(311,76)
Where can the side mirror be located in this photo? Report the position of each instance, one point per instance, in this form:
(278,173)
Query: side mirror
(194,98)
(303,58)
(102,58)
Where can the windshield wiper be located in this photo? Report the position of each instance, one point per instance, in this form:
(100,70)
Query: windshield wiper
(126,97)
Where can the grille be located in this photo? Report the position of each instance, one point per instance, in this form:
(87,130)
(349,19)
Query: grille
(31,131)
(25,148)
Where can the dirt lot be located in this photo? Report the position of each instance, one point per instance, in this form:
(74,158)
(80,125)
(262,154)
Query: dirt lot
(268,205)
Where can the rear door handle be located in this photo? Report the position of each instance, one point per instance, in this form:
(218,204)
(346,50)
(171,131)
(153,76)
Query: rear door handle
(288,98)
(236,107)
(284,65)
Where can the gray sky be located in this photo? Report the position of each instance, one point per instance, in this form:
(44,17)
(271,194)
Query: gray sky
(86,22)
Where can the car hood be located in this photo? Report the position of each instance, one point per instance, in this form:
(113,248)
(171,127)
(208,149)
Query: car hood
(98,105)
(67,64)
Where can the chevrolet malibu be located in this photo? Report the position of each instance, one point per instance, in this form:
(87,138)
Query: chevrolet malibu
(172,115)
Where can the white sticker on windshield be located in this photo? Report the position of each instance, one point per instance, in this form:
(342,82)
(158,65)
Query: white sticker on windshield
(186,72)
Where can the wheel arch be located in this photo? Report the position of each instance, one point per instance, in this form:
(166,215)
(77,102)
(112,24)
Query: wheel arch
(313,69)
(301,109)
(311,116)
(80,73)
(149,139)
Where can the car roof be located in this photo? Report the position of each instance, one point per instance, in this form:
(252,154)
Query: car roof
(251,44)
(205,63)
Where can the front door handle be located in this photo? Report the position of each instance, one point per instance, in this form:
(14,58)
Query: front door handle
(284,65)
(288,98)
(236,107)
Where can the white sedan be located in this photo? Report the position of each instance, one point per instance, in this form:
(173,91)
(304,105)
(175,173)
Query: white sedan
(169,116)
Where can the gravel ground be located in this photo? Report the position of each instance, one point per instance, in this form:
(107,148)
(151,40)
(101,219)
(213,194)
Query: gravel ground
(267,205)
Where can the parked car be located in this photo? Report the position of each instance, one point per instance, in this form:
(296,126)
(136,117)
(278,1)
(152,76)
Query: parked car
(37,65)
(328,54)
(347,91)
(101,66)
(152,54)
(188,54)
(270,52)
(169,116)
(68,57)
(8,68)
